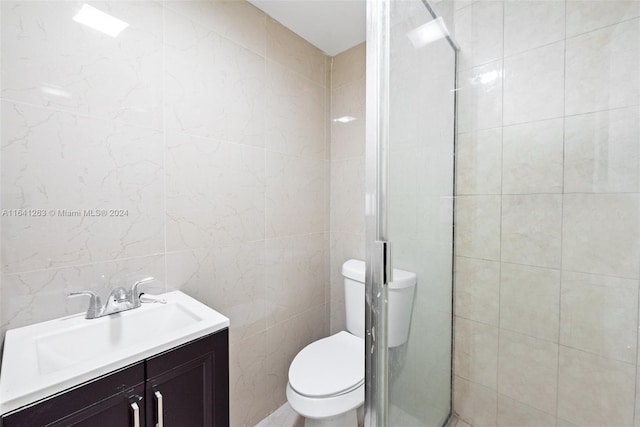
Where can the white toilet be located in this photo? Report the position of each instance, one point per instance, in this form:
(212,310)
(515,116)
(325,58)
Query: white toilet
(326,379)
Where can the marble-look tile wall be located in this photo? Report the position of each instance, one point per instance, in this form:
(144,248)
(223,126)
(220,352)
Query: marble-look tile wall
(206,122)
(548,213)
(347,172)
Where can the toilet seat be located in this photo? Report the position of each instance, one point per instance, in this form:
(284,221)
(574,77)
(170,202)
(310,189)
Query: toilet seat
(328,367)
(325,407)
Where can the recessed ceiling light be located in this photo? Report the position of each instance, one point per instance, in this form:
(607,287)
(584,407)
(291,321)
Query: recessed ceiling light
(345,119)
(97,19)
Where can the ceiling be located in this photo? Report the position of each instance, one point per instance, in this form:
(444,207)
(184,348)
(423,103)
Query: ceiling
(333,26)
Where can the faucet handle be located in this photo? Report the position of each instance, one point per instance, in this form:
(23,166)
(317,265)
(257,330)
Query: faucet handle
(152,299)
(94,302)
(135,293)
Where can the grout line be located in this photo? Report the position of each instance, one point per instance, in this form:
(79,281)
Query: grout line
(502,80)
(163,127)
(564,116)
(598,28)
(117,121)
(547,268)
(328,138)
(583,193)
(264,288)
(528,405)
(513,54)
(86,264)
(596,355)
(526,51)
(635,382)
(168,252)
(564,111)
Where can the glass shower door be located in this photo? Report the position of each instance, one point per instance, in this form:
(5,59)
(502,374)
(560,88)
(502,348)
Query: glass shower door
(410,186)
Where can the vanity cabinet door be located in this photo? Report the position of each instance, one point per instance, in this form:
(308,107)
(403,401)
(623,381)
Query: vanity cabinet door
(122,409)
(188,386)
(107,401)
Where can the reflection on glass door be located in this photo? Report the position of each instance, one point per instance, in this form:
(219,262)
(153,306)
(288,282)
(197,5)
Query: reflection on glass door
(410,171)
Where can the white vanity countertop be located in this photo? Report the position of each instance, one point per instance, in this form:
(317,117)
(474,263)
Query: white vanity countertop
(46,358)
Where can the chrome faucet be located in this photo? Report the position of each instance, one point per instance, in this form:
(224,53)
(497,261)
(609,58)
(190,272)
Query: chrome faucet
(134,294)
(119,300)
(95,305)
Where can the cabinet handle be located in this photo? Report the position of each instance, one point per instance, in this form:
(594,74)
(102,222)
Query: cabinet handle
(136,414)
(159,406)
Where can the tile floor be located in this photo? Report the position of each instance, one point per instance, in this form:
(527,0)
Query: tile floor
(285,416)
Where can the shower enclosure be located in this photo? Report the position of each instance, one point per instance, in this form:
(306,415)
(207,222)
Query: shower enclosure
(411,81)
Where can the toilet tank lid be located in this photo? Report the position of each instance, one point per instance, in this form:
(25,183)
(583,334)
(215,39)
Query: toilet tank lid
(355,269)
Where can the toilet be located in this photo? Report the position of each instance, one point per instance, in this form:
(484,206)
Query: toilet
(326,378)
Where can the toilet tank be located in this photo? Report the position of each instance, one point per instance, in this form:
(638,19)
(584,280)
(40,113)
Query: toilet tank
(401,292)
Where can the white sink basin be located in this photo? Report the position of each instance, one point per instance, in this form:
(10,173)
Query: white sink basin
(45,358)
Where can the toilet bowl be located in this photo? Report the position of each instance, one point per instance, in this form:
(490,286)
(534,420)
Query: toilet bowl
(326,378)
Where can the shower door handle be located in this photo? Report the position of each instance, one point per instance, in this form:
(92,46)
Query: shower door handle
(383,249)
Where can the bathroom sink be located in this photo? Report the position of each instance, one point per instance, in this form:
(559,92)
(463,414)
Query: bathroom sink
(88,340)
(45,358)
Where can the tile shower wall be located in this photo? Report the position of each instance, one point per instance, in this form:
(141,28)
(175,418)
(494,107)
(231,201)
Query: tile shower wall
(347,172)
(206,121)
(548,213)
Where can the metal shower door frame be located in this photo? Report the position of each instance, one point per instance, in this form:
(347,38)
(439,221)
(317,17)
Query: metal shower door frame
(378,253)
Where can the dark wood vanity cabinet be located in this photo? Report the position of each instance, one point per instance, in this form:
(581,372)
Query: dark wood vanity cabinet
(190,384)
(186,386)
